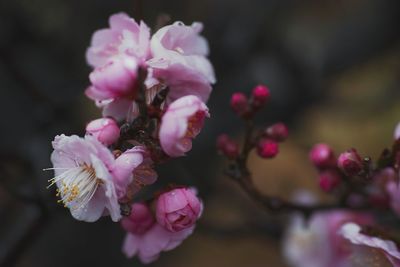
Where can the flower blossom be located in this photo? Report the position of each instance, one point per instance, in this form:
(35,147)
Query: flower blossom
(124,36)
(83,178)
(132,170)
(116,53)
(178,209)
(369,251)
(146,238)
(182,121)
(316,243)
(179,61)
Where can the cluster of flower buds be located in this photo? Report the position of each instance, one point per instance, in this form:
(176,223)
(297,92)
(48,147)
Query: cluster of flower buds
(152,92)
(324,159)
(267,141)
(358,181)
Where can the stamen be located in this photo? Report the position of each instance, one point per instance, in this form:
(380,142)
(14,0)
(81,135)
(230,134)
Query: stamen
(76,186)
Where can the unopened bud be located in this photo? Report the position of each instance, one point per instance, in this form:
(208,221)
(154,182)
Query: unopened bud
(397,132)
(227,146)
(260,96)
(105,130)
(329,180)
(267,148)
(322,156)
(350,162)
(278,132)
(239,103)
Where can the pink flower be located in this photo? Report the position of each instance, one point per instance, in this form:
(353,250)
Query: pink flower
(181,122)
(179,60)
(116,79)
(132,170)
(369,250)
(146,238)
(114,87)
(104,130)
(316,243)
(140,220)
(396,134)
(178,209)
(392,188)
(148,246)
(124,36)
(83,178)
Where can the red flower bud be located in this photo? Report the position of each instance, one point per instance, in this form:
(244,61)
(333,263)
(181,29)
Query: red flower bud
(260,96)
(267,148)
(350,162)
(239,103)
(278,132)
(329,180)
(227,146)
(322,156)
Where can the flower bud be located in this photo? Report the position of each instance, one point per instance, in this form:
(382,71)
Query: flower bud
(178,209)
(140,219)
(350,162)
(328,180)
(239,103)
(260,96)
(105,130)
(322,156)
(267,148)
(227,146)
(278,132)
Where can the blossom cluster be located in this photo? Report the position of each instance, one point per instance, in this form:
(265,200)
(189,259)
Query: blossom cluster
(152,91)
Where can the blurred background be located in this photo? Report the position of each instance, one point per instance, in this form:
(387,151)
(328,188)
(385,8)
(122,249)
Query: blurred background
(333,70)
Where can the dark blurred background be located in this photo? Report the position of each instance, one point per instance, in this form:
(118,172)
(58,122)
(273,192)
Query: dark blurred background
(333,69)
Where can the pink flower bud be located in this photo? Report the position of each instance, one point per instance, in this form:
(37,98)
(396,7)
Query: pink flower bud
(350,162)
(239,103)
(322,156)
(267,148)
(278,132)
(178,209)
(328,180)
(227,146)
(105,130)
(140,219)
(260,96)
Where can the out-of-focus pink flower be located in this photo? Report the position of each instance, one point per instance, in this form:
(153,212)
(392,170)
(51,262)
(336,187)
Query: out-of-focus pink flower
(148,245)
(396,134)
(179,61)
(132,170)
(124,36)
(182,122)
(393,189)
(178,209)
(104,130)
(140,220)
(315,243)
(369,250)
(82,175)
